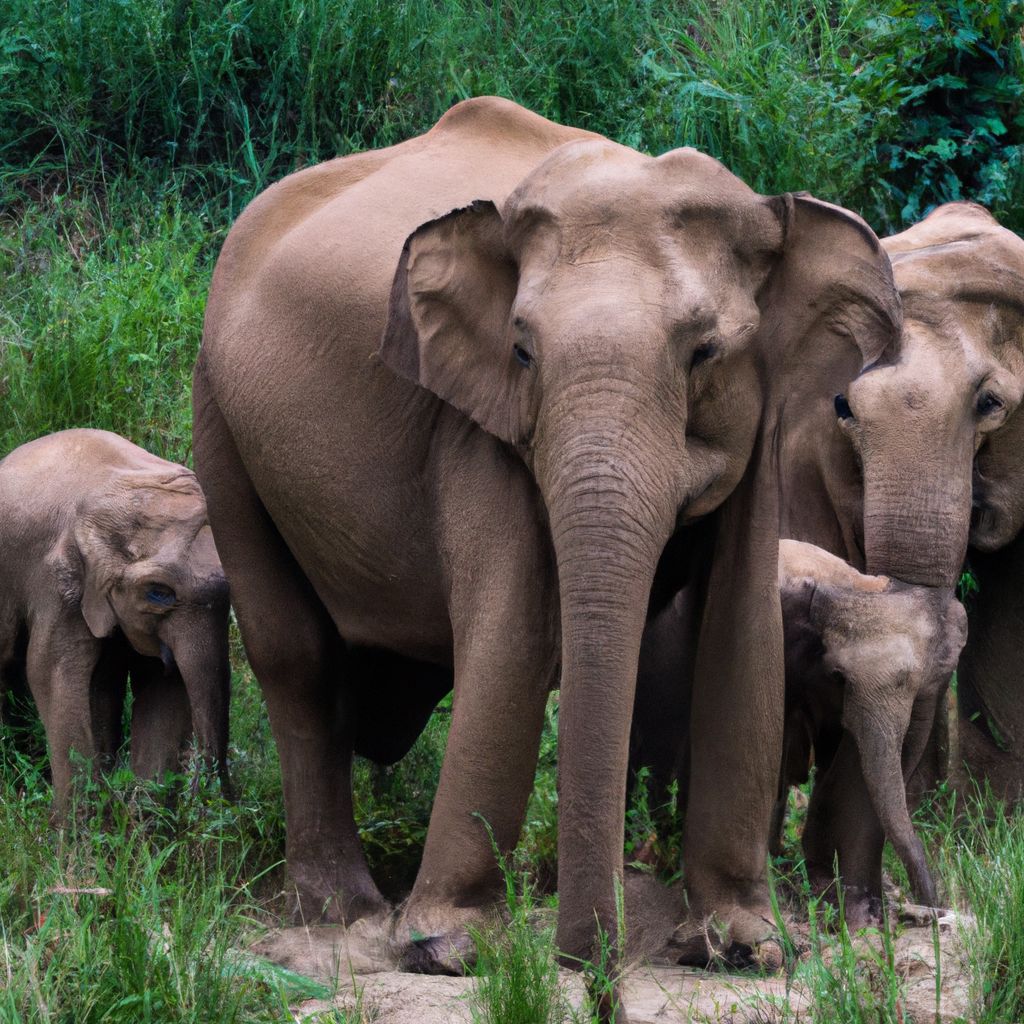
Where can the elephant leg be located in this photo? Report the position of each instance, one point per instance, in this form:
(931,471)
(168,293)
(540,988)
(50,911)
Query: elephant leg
(109,682)
(842,826)
(502,680)
(736,725)
(297,656)
(59,670)
(161,719)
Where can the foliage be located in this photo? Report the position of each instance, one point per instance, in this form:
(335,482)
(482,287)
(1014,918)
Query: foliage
(980,846)
(517,975)
(134,916)
(886,107)
(101,308)
(960,100)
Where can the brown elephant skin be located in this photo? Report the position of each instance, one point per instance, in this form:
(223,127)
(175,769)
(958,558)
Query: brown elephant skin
(453,401)
(110,571)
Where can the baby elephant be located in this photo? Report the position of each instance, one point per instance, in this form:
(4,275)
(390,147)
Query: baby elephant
(867,660)
(108,570)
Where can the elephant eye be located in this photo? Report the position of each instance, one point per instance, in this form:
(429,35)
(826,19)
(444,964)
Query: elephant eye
(157,593)
(843,410)
(702,353)
(988,404)
(522,356)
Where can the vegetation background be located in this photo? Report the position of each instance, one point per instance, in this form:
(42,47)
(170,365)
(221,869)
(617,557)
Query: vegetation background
(132,132)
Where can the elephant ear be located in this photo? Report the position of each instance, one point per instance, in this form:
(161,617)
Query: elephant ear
(831,306)
(97,568)
(448,326)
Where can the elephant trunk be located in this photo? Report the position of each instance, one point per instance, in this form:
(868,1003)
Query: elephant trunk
(611,516)
(880,739)
(917,513)
(203,662)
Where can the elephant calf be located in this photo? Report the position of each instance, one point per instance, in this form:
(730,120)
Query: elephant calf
(110,571)
(867,660)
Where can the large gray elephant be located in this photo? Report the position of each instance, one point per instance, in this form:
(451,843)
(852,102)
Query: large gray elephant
(458,402)
(962,276)
(110,571)
(881,476)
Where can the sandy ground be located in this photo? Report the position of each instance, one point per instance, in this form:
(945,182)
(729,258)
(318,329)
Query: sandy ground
(359,963)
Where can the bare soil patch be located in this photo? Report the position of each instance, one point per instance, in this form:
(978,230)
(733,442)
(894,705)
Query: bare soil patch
(359,964)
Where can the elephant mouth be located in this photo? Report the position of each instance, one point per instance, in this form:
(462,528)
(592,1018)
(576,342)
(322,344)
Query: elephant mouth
(167,657)
(985,526)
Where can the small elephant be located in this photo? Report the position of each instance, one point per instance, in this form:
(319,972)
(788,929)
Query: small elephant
(110,570)
(868,659)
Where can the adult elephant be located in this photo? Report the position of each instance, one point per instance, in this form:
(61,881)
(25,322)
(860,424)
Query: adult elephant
(110,571)
(453,400)
(964,273)
(882,476)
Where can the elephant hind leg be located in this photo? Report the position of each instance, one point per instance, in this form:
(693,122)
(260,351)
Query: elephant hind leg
(297,657)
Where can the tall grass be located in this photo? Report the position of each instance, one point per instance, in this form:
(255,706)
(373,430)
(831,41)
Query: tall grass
(841,97)
(982,860)
(101,307)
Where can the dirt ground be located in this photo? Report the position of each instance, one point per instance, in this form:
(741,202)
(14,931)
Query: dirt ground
(359,962)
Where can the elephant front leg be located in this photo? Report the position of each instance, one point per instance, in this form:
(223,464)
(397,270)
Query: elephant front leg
(843,834)
(502,680)
(59,671)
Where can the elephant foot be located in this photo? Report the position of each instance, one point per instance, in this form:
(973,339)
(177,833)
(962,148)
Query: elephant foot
(452,953)
(742,940)
(861,909)
(343,904)
(438,940)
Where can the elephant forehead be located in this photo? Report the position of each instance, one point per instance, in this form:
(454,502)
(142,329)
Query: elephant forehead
(592,185)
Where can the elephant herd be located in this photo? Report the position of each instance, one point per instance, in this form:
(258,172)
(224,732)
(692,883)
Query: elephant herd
(509,407)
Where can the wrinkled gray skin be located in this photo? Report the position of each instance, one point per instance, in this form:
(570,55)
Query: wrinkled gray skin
(868,659)
(110,571)
(453,400)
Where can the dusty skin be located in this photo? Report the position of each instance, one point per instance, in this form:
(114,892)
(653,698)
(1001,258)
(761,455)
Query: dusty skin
(656,991)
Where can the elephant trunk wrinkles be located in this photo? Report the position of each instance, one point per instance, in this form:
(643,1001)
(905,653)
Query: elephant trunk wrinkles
(610,518)
(879,739)
(916,521)
(202,659)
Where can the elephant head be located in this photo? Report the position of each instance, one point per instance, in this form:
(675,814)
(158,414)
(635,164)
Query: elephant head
(892,648)
(919,418)
(141,559)
(626,325)
(961,276)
